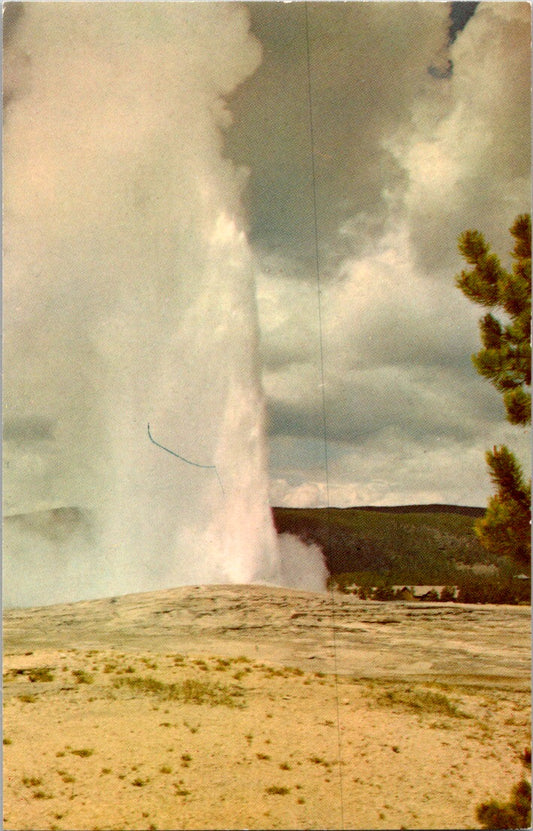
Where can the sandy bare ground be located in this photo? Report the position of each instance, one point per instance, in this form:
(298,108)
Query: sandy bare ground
(254,707)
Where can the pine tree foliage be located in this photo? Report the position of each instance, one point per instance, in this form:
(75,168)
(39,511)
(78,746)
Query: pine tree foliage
(505,360)
(505,528)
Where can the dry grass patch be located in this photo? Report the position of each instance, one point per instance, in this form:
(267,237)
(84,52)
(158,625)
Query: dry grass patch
(82,677)
(31,781)
(42,795)
(277,790)
(140,783)
(40,674)
(416,699)
(189,691)
(33,674)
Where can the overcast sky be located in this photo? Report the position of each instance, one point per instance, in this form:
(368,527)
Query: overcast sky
(352,152)
(414,140)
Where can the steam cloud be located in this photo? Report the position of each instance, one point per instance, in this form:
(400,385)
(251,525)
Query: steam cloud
(130,299)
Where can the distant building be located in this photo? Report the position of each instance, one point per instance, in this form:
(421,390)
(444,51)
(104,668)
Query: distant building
(408,593)
(404,593)
(429,593)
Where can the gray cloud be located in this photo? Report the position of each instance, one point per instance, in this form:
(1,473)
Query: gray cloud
(420,404)
(16,66)
(367,63)
(28,429)
(11,15)
(404,162)
(472,166)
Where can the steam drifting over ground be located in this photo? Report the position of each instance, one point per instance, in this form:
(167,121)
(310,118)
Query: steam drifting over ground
(129,299)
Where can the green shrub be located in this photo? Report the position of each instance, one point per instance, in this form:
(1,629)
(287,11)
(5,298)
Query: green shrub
(513,814)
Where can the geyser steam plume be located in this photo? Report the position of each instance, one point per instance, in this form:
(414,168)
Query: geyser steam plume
(129,299)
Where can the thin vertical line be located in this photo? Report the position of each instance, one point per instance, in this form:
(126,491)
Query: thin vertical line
(324,410)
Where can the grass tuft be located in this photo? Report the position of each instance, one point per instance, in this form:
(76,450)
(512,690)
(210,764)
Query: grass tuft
(31,781)
(318,760)
(192,728)
(82,677)
(40,674)
(278,790)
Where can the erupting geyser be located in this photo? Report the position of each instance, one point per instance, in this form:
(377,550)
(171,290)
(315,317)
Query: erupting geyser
(130,299)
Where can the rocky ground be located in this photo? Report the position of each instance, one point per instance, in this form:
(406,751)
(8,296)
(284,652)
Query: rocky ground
(222,707)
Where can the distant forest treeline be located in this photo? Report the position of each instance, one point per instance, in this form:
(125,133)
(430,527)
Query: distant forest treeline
(408,545)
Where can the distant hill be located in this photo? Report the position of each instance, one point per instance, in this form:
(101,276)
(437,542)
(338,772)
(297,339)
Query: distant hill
(411,544)
(466,510)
